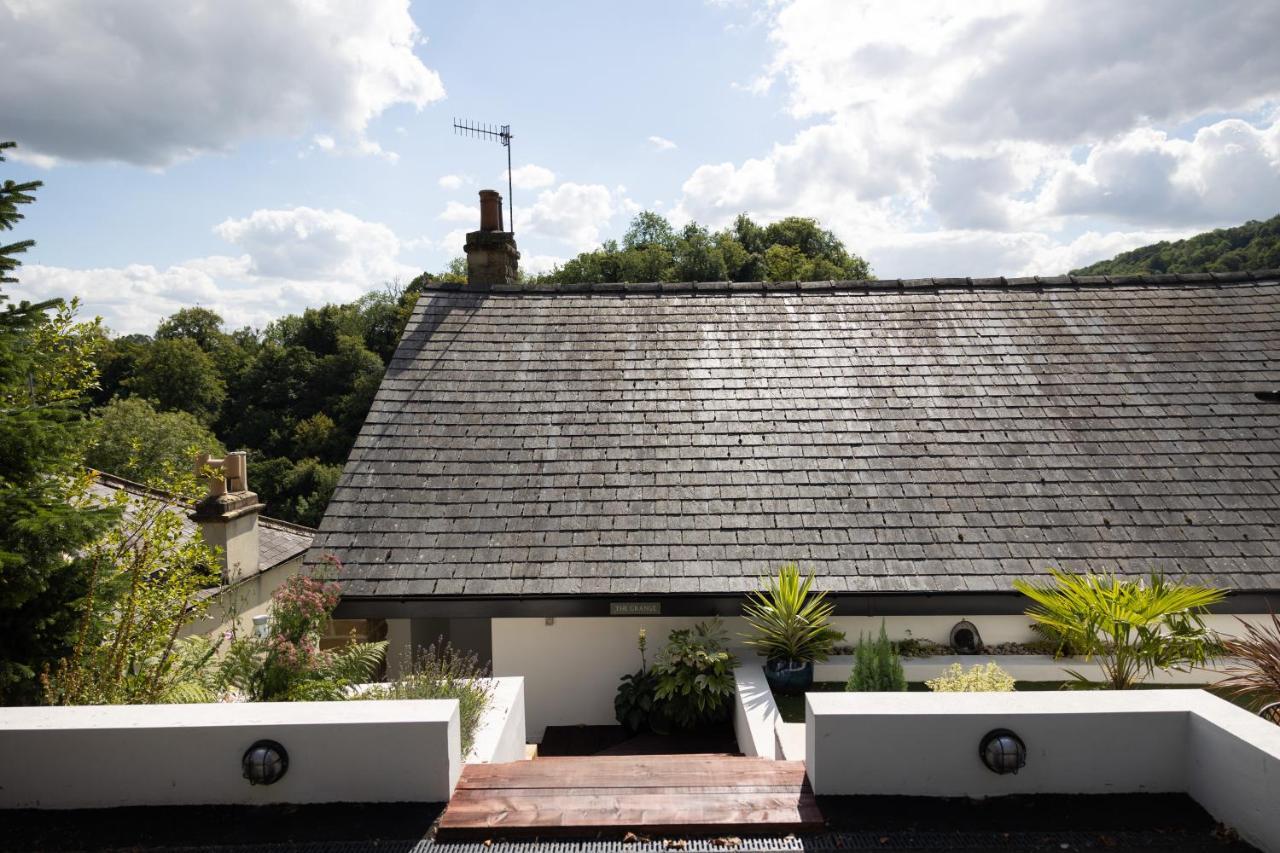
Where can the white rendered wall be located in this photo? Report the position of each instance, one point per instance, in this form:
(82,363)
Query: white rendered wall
(1233,769)
(1087,742)
(121,755)
(926,744)
(571,668)
(755,713)
(500,736)
(572,665)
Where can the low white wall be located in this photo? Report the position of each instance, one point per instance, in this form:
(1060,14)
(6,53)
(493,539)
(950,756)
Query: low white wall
(1088,742)
(121,755)
(500,736)
(926,744)
(1233,768)
(755,713)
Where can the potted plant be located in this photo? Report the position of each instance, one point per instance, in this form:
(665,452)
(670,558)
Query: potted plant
(791,629)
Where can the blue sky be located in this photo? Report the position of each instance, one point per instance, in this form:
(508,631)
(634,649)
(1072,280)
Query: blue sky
(259,158)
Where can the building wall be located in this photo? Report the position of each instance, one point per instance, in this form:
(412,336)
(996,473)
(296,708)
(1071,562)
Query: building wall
(572,666)
(235,608)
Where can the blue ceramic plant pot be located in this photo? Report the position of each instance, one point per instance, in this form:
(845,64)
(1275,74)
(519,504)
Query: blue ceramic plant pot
(789,678)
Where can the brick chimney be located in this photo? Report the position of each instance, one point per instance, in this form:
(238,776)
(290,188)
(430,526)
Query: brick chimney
(491,252)
(228,515)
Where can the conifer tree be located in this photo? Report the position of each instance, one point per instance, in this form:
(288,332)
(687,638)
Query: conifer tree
(45,368)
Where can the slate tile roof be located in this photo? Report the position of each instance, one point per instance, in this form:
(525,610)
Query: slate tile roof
(278,541)
(927,436)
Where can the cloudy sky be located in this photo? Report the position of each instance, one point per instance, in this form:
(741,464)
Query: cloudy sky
(259,157)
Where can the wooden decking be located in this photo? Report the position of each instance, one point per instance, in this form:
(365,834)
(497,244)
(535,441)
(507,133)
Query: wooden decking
(653,795)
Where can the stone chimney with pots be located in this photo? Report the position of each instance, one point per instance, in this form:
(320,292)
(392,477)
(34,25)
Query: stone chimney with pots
(228,515)
(491,252)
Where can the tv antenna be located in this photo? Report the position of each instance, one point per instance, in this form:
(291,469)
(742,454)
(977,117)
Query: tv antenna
(501,133)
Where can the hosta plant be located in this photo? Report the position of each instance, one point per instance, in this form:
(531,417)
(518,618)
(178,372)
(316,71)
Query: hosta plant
(1131,627)
(636,706)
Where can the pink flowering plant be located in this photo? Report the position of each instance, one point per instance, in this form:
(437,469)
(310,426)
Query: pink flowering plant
(288,664)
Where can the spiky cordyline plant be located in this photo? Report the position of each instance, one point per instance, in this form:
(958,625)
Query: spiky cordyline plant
(790,622)
(1257,675)
(1131,627)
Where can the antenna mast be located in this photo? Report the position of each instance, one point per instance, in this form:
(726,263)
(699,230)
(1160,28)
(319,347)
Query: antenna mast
(501,133)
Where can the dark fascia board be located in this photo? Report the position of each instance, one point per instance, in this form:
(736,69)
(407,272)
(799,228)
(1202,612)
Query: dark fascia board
(901,604)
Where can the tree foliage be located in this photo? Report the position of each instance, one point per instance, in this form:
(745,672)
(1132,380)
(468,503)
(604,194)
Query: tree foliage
(145,578)
(1252,246)
(46,367)
(129,438)
(791,249)
(789,622)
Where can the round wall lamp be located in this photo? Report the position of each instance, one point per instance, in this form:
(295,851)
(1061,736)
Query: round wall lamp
(965,639)
(265,763)
(1002,752)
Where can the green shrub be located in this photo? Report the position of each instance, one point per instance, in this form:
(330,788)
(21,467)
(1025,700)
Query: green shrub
(791,624)
(1131,627)
(877,666)
(636,705)
(695,675)
(442,672)
(979,678)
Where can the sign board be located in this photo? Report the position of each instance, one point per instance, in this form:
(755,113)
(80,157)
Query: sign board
(635,608)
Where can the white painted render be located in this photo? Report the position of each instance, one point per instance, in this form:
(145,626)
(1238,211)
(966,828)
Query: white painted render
(500,736)
(1088,742)
(572,666)
(139,755)
(755,714)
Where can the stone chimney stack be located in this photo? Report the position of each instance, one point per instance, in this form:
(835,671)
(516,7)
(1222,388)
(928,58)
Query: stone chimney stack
(491,252)
(228,515)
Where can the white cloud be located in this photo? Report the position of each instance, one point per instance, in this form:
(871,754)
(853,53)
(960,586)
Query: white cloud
(538,264)
(981,138)
(309,245)
(151,82)
(530,177)
(452,182)
(456,211)
(289,260)
(573,214)
(1229,171)
(661,143)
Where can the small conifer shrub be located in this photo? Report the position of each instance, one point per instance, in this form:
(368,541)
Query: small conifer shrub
(877,666)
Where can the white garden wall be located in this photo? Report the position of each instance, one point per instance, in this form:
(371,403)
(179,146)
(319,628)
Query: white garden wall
(500,735)
(1090,742)
(122,755)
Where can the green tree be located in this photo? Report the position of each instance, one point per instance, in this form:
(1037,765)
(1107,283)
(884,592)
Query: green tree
(46,368)
(1251,246)
(794,248)
(179,376)
(129,438)
(145,579)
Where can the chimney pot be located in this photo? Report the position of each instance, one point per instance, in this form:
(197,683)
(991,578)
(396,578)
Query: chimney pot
(490,211)
(491,252)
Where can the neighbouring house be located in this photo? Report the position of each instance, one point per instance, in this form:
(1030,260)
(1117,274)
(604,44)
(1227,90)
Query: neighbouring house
(547,469)
(255,553)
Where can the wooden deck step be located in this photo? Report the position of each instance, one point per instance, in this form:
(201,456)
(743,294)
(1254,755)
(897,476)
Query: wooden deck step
(657,795)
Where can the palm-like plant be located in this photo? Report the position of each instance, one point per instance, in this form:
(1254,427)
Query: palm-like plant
(791,623)
(1131,627)
(1257,675)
